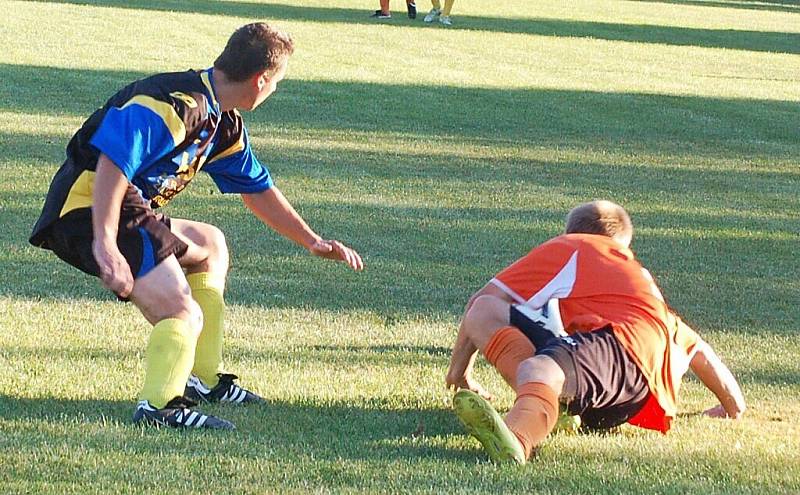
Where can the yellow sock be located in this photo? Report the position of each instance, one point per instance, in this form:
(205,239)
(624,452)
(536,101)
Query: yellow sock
(168,361)
(436,4)
(207,291)
(448,6)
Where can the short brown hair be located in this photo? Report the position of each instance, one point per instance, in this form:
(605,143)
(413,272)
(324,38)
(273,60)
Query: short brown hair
(254,48)
(599,217)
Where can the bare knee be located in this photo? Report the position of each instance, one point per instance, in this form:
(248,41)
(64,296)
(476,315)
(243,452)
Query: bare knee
(218,248)
(158,306)
(541,369)
(486,315)
(181,308)
(211,251)
(164,293)
(191,313)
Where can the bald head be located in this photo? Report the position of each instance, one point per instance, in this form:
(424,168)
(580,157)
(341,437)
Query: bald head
(602,218)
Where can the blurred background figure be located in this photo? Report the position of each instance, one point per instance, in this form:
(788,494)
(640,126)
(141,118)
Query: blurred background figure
(442,14)
(385,13)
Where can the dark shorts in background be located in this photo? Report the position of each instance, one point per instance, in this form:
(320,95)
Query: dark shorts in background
(603,385)
(144,237)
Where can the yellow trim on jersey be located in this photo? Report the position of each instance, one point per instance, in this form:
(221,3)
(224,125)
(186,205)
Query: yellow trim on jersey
(207,81)
(184,166)
(188,99)
(200,162)
(164,110)
(235,148)
(80,194)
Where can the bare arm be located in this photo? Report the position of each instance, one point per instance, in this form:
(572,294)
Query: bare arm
(109,189)
(272,208)
(462,360)
(710,369)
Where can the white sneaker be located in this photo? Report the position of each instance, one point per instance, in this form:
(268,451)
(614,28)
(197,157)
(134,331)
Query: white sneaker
(445,20)
(433,14)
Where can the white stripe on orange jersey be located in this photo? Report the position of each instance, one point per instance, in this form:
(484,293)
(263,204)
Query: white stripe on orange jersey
(508,290)
(559,286)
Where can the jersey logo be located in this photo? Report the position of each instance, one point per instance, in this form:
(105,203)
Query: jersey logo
(570,341)
(190,102)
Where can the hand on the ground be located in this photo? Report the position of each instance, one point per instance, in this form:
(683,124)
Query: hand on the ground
(467,383)
(717,412)
(335,250)
(113,269)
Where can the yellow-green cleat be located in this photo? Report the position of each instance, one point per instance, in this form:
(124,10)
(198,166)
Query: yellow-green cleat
(567,423)
(483,423)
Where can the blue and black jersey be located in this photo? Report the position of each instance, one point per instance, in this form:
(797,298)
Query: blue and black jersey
(160,131)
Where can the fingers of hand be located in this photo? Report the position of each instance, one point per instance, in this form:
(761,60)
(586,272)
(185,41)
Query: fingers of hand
(126,284)
(347,255)
(121,282)
(359,263)
(116,276)
(716,412)
(353,259)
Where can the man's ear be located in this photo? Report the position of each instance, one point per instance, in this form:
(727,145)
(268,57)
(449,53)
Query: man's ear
(261,80)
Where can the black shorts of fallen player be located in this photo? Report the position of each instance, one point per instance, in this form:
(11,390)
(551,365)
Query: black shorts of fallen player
(602,383)
(534,330)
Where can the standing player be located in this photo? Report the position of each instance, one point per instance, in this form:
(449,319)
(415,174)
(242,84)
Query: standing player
(134,155)
(622,362)
(385,13)
(438,13)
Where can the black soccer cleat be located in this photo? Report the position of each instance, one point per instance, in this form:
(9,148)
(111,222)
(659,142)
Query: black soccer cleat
(224,391)
(412,10)
(177,414)
(380,15)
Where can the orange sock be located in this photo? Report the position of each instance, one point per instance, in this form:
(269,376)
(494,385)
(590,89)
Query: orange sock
(534,414)
(506,349)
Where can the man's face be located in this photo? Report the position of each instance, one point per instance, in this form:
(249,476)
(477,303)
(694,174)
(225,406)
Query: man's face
(264,85)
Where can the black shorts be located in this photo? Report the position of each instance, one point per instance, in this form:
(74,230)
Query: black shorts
(535,331)
(603,385)
(144,237)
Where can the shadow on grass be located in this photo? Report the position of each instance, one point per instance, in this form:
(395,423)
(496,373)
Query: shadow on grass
(791,6)
(335,356)
(366,445)
(491,116)
(638,33)
(369,429)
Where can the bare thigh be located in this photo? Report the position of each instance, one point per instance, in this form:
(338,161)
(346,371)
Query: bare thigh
(208,250)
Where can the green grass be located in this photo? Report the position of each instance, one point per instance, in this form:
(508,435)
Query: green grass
(442,155)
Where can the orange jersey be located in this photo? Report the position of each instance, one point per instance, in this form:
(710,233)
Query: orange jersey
(598,282)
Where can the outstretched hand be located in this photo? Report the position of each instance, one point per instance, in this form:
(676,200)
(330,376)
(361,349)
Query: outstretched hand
(335,250)
(718,411)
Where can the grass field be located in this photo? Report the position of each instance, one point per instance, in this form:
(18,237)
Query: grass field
(441,155)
